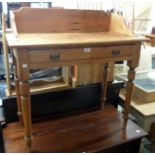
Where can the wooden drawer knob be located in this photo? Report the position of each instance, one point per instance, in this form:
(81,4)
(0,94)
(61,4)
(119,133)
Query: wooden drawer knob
(115,52)
(55,56)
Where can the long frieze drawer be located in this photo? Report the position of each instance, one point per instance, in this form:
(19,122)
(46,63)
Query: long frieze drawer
(79,53)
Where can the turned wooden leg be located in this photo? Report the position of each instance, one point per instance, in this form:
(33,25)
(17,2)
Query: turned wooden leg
(26,109)
(111,71)
(132,64)
(104,83)
(17,88)
(129,88)
(23,74)
(19,112)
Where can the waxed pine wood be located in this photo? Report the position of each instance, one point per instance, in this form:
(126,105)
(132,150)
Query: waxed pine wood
(44,38)
(64,20)
(23,73)
(17,87)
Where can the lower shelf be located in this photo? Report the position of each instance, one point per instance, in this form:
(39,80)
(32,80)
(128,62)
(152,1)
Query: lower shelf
(45,87)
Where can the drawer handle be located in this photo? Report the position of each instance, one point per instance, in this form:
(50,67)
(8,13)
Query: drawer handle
(115,52)
(55,56)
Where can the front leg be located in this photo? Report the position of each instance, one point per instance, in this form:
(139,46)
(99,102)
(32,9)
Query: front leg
(17,87)
(26,109)
(104,83)
(23,74)
(129,88)
(132,64)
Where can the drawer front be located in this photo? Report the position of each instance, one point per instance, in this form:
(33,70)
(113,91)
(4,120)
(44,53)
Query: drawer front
(119,51)
(80,53)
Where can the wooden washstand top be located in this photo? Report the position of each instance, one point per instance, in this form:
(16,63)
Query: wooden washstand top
(60,27)
(72,39)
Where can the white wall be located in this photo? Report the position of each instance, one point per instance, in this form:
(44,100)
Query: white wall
(152,17)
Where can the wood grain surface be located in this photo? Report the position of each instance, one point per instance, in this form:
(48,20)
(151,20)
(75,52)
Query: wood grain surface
(88,132)
(69,39)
